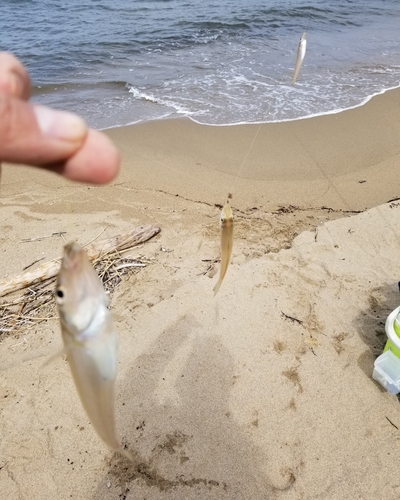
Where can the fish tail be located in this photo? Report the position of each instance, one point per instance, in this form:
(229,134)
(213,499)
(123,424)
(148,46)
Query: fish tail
(127,454)
(216,288)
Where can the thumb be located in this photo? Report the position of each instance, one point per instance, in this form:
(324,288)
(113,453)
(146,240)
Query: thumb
(37,135)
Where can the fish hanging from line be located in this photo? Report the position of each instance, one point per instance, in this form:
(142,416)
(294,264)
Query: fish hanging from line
(301,52)
(90,342)
(226,224)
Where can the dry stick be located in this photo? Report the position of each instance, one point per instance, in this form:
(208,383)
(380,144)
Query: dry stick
(50,269)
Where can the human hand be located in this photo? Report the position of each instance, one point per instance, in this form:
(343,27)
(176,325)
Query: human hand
(43,137)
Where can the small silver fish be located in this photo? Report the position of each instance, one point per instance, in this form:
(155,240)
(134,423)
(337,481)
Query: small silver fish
(301,52)
(90,342)
(226,224)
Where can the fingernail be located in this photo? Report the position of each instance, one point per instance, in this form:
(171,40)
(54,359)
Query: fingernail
(11,84)
(16,84)
(60,125)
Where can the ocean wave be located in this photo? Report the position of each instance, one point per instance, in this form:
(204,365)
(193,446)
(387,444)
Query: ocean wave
(163,101)
(304,117)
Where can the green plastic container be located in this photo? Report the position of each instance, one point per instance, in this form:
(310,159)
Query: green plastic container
(389,344)
(387,365)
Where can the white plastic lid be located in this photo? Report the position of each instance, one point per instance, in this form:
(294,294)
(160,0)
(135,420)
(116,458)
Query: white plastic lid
(387,372)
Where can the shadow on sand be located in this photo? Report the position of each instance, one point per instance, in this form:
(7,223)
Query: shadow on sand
(189,445)
(370,324)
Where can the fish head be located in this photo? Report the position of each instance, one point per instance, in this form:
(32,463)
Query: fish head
(226,216)
(79,292)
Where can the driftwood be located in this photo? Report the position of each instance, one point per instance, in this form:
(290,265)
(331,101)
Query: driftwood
(95,251)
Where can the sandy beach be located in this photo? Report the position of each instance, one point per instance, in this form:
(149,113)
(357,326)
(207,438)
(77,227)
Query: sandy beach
(263,392)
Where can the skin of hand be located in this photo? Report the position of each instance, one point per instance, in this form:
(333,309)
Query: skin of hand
(58,141)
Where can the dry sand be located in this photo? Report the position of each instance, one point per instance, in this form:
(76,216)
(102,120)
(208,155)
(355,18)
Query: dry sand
(263,392)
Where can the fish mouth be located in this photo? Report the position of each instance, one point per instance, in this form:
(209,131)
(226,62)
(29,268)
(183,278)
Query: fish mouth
(72,251)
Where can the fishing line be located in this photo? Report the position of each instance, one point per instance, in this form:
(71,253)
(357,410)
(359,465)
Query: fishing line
(280,81)
(336,190)
(308,21)
(331,185)
(343,200)
(245,159)
(324,174)
(258,130)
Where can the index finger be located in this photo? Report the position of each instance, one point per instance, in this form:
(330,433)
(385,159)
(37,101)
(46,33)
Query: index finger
(14,79)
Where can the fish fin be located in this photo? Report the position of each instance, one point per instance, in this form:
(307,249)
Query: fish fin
(55,356)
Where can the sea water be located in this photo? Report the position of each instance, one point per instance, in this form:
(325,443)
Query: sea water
(218,62)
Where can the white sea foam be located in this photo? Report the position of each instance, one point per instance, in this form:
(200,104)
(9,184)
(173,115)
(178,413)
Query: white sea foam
(164,102)
(330,112)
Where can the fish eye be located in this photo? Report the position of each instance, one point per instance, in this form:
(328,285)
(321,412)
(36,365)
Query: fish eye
(59,295)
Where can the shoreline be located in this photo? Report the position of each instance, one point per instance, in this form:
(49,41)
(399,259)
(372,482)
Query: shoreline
(343,161)
(316,115)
